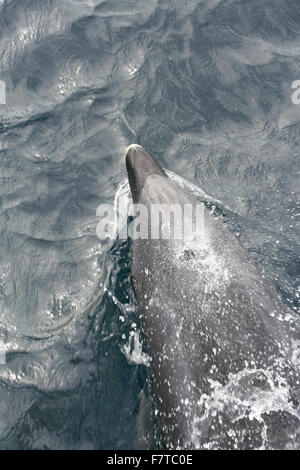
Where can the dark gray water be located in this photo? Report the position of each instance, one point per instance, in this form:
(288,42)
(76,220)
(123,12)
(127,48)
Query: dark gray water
(206,87)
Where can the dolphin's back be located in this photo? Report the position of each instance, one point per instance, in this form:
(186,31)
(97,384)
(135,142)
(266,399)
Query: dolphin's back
(204,332)
(221,344)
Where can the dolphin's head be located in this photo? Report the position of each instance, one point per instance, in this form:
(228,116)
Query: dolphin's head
(140,165)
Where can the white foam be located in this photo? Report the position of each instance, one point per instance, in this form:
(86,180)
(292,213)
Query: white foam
(237,401)
(133,350)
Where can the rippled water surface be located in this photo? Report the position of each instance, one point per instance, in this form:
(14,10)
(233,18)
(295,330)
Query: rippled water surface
(206,87)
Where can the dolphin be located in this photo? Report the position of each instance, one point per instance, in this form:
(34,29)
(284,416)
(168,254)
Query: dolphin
(224,369)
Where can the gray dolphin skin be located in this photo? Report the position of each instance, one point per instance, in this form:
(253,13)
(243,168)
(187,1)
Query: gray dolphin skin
(224,369)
